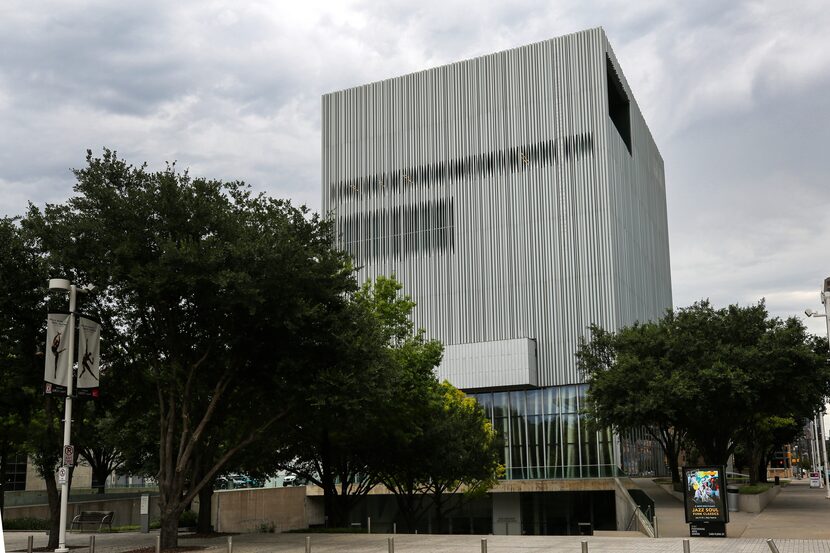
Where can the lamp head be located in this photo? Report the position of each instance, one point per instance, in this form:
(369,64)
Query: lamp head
(59,284)
(810,312)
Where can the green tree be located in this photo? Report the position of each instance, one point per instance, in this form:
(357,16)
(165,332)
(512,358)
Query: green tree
(22,294)
(632,384)
(334,442)
(217,295)
(443,446)
(718,377)
(464,461)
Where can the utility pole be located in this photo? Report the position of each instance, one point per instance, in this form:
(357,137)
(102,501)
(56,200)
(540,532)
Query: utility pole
(64,284)
(819,430)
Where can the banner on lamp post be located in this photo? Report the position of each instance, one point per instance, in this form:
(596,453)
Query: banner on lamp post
(89,363)
(57,343)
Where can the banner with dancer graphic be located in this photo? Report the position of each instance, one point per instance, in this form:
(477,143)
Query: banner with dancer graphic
(89,349)
(57,345)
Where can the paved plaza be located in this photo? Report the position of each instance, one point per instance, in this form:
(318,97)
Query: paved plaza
(798,520)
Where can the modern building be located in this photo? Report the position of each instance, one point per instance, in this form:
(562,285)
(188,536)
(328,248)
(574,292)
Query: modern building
(520,198)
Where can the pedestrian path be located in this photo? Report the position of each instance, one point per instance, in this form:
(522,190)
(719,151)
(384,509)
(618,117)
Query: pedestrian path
(797,512)
(409,543)
(798,519)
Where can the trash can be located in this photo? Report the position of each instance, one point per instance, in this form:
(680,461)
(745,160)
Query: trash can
(732,498)
(585,528)
(777,480)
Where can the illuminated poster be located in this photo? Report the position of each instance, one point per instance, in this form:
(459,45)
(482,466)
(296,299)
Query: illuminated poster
(705,494)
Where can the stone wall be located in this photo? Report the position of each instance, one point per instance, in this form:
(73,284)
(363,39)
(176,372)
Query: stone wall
(263,510)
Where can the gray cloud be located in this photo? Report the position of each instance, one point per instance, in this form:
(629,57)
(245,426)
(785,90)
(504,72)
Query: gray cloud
(733,92)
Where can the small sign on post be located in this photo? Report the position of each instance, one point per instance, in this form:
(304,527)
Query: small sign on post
(144,513)
(69,455)
(63,473)
(815,479)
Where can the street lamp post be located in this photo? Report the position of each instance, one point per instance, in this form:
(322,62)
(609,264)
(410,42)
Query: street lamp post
(64,284)
(825,300)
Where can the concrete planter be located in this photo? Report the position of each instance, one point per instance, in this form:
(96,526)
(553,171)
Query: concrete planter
(755,503)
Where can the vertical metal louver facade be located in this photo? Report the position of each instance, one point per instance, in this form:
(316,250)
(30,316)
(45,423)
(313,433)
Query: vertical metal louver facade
(516,195)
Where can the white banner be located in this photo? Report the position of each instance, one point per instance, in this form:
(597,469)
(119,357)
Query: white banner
(57,344)
(89,348)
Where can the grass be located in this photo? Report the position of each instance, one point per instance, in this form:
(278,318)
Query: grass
(321,530)
(26,523)
(752,489)
(121,529)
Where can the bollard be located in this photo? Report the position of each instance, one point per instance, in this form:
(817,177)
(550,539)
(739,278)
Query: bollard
(391,543)
(368,525)
(772,546)
(685,546)
(394,527)
(91,544)
(584,546)
(656,532)
(158,544)
(483,545)
(30,544)
(308,544)
(230,544)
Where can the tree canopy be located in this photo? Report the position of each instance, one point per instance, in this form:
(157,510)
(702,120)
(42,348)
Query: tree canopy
(231,321)
(219,298)
(714,379)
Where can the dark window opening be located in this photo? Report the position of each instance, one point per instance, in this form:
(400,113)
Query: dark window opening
(618,105)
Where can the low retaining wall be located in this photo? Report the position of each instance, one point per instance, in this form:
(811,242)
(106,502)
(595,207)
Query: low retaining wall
(757,502)
(264,510)
(126,510)
(747,503)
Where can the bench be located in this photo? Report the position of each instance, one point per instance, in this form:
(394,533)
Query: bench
(92,517)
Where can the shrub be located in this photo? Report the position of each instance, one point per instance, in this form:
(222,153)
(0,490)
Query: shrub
(26,523)
(188,519)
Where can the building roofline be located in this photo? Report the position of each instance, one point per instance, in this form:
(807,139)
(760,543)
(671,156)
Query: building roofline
(599,29)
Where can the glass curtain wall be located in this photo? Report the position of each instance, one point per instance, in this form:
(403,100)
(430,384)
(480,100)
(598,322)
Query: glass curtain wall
(545,436)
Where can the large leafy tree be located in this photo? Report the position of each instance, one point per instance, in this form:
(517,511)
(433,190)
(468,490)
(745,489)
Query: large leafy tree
(633,384)
(22,300)
(334,443)
(218,296)
(443,452)
(717,377)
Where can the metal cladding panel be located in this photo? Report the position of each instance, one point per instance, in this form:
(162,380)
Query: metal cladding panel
(502,195)
(503,363)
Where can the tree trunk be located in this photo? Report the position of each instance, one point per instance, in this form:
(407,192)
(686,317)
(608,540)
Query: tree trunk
(762,468)
(99,477)
(670,442)
(438,500)
(204,525)
(327,480)
(54,511)
(170,527)
(4,448)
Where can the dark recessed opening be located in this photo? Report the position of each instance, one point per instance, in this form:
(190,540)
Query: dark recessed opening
(618,105)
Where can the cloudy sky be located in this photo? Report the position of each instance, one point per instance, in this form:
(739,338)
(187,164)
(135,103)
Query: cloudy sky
(735,93)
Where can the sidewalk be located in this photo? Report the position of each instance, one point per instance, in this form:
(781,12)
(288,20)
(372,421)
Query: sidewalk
(797,512)
(798,519)
(409,543)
